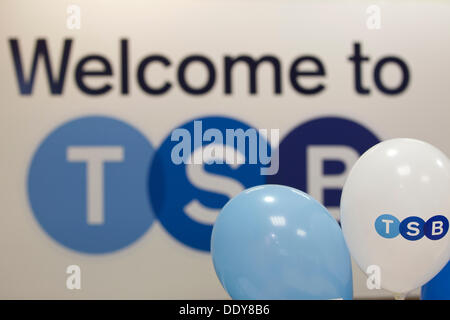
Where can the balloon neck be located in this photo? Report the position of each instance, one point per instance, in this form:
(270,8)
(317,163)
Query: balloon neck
(399,296)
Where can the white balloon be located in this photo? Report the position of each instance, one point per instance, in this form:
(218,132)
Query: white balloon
(402,178)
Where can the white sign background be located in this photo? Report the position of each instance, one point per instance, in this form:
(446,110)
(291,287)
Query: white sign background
(32,265)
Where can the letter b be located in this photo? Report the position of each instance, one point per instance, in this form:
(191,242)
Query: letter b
(436,227)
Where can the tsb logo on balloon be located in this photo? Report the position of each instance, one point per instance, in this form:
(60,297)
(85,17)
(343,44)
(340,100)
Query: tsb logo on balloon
(412,228)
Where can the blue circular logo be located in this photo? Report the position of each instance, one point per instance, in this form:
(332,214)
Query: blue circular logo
(436,227)
(412,228)
(87,185)
(387,226)
(197,169)
(323,149)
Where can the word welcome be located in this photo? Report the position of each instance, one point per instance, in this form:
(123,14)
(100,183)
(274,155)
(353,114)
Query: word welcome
(304,67)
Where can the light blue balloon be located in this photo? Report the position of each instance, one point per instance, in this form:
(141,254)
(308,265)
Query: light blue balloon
(439,287)
(276,242)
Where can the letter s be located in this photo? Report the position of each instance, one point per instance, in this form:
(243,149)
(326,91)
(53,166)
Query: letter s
(202,179)
(413,226)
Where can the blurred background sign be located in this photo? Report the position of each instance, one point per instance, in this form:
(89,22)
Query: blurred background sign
(91,93)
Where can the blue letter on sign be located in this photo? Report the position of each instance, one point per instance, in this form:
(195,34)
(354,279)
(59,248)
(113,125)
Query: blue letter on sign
(87,185)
